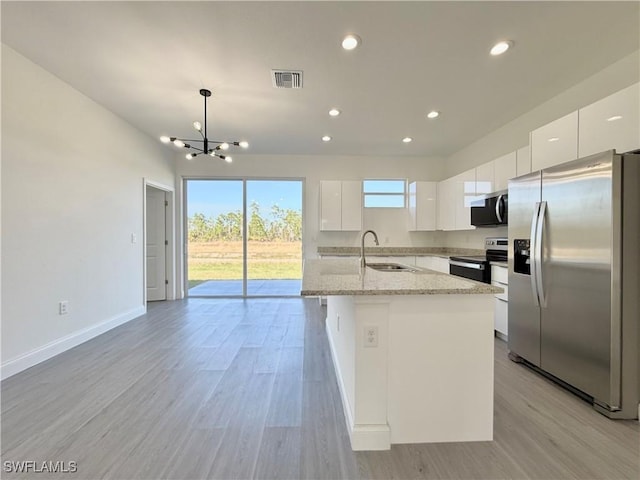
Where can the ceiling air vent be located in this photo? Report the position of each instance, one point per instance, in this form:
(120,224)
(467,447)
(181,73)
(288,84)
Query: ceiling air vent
(286,78)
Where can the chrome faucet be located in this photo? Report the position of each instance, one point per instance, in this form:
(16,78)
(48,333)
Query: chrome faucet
(363,261)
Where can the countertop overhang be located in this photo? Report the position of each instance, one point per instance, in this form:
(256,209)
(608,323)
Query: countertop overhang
(346,277)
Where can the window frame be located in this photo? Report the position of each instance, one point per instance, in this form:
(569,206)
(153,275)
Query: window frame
(378,194)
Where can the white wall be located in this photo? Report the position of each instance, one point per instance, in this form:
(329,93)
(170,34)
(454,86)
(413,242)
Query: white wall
(72,196)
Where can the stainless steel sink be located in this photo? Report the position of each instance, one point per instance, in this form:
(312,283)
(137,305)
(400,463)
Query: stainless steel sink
(391,267)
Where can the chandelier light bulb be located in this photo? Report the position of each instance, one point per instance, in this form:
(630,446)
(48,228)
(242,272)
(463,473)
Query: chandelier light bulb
(224,146)
(188,156)
(334,112)
(433,114)
(165,139)
(244,144)
(197,126)
(178,143)
(407,139)
(228,159)
(326,138)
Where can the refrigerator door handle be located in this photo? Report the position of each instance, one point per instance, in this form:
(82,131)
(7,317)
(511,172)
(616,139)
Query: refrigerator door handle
(538,255)
(533,236)
(498,209)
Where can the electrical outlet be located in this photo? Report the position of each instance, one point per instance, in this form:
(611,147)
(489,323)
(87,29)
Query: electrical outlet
(63,307)
(370,336)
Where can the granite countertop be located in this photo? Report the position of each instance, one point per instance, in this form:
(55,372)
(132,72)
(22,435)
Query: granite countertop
(345,277)
(399,251)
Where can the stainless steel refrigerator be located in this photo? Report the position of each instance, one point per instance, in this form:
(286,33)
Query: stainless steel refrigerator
(574,286)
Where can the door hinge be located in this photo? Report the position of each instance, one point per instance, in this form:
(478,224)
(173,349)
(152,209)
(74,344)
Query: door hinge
(166,242)
(166,203)
(166,282)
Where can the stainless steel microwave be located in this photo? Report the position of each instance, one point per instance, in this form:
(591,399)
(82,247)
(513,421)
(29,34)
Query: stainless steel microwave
(491,210)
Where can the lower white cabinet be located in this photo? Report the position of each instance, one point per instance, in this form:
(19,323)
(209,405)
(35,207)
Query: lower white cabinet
(499,277)
(432,262)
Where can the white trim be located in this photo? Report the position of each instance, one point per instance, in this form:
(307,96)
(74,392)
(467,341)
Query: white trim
(40,354)
(362,437)
(170,235)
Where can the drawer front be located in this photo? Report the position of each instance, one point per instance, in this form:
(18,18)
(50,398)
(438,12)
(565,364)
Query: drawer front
(501,296)
(499,274)
(501,320)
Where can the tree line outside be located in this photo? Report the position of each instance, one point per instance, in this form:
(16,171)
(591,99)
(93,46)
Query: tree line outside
(282,225)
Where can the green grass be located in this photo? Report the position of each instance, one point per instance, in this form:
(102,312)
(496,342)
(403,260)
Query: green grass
(223,261)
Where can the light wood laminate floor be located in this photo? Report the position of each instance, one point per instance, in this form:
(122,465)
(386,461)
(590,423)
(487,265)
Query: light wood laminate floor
(239,389)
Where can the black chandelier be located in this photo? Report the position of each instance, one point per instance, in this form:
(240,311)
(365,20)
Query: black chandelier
(207,147)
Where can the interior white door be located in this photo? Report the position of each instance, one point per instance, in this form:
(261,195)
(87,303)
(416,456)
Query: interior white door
(156,248)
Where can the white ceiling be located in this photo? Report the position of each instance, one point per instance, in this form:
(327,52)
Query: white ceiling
(146,61)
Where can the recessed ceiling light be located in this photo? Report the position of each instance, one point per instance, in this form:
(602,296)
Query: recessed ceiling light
(326,138)
(350,42)
(554,139)
(501,47)
(433,114)
(334,112)
(407,139)
(614,118)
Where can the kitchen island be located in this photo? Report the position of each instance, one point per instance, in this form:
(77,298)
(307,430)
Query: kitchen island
(412,350)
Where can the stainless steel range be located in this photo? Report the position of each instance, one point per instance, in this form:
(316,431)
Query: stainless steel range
(478,267)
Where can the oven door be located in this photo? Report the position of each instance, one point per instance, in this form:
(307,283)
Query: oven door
(478,271)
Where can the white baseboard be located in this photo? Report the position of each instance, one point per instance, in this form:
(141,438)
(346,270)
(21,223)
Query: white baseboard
(40,354)
(362,437)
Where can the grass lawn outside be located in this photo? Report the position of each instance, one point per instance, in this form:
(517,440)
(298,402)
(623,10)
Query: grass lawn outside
(223,261)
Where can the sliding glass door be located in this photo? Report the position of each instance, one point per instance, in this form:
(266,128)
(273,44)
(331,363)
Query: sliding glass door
(224,261)
(274,243)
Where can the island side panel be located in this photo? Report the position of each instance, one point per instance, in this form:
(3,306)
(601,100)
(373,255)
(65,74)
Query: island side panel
(341,331)
(441,368)
(361,367)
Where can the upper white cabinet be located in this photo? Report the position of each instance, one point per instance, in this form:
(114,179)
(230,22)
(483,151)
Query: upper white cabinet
(611,123)
(555,143)
(340,205)
(485,178)
(423,198)
(523,161)
(504,169)
(446,219)
(464,193)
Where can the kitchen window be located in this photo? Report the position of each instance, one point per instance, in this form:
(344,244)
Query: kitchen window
(385,193)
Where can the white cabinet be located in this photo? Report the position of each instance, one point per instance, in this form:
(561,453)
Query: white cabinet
(523,161)
(423,206)
(611,123)
(433,262)
(555,143)
(455,195)
(465,193)
(446,219)
(340,205)
(499,276)
(504,169)
(485,178)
